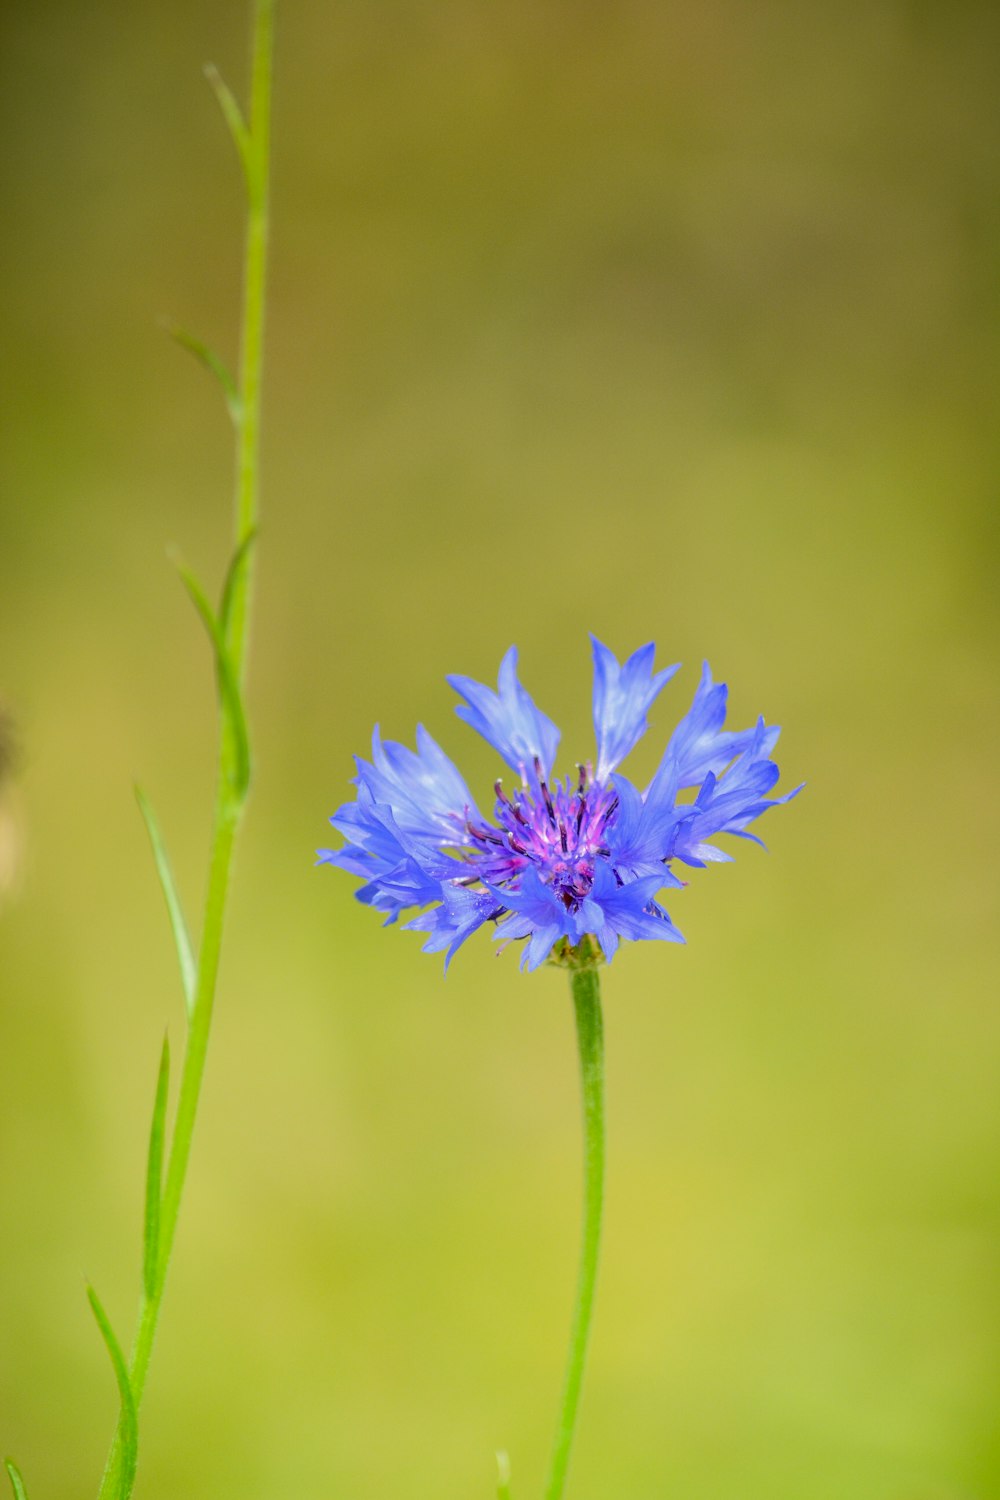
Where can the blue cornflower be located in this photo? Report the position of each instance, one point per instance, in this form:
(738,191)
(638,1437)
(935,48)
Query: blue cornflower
(562,863)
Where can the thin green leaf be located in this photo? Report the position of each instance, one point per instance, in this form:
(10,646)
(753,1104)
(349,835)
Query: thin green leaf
(128,1423)
(185,953)
(213,364)
(237,568)
(233,116)
(154,1176)
(232,702)
(503,1476)
(16,1482)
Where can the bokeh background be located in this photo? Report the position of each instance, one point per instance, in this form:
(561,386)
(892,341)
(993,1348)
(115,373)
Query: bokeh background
(672,321)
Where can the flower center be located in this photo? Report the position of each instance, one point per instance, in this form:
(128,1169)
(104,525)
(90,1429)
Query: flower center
(558,829)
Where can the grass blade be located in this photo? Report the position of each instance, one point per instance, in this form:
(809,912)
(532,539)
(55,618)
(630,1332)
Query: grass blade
(154,1176)
(233,116)
(235,572)
(185,953)
(231,700)
(128,1423)
(213,364)
(16,1482)
(503,1476)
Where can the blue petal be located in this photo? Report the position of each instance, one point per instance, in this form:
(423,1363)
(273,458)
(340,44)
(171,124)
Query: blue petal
(622,698)
(642,834)
(508,719)
(424,789)
(354,861)
(531,899)
(370,829)
(592,918)
(540,945)
(726,804)
(612,911)
(537,914)
(699,744)
(407,884)
(400,869)
(371,826)
(461,913)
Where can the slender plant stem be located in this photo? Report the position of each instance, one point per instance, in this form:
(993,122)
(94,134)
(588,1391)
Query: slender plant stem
(228,809)
(251,354)
(586,986)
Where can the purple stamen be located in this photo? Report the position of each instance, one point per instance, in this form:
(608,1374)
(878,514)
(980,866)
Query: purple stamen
(557,829)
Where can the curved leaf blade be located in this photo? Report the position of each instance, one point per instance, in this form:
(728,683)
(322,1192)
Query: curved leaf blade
(154,1177)
(128,1423)
(16,1482)
(233,116)
(182,942)
(234,574)
(233,715)
(213,364)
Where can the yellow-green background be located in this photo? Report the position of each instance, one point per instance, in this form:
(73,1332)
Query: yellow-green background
(672,321)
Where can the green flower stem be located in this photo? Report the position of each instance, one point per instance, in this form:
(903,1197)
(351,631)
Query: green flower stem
(228,807)
(586,986)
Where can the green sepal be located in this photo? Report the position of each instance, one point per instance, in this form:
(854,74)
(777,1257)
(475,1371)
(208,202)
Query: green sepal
(234,718)
(16,1482)
(235,572)
(233,116)
(214,365)
(154,1177)
(503,1475)
(128,1422)
(182,942)
(586,954)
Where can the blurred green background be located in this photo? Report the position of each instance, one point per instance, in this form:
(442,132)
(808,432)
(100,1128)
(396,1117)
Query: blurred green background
(672,321)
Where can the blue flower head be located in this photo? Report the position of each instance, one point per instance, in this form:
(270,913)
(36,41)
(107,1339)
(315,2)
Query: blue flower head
(569,866)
